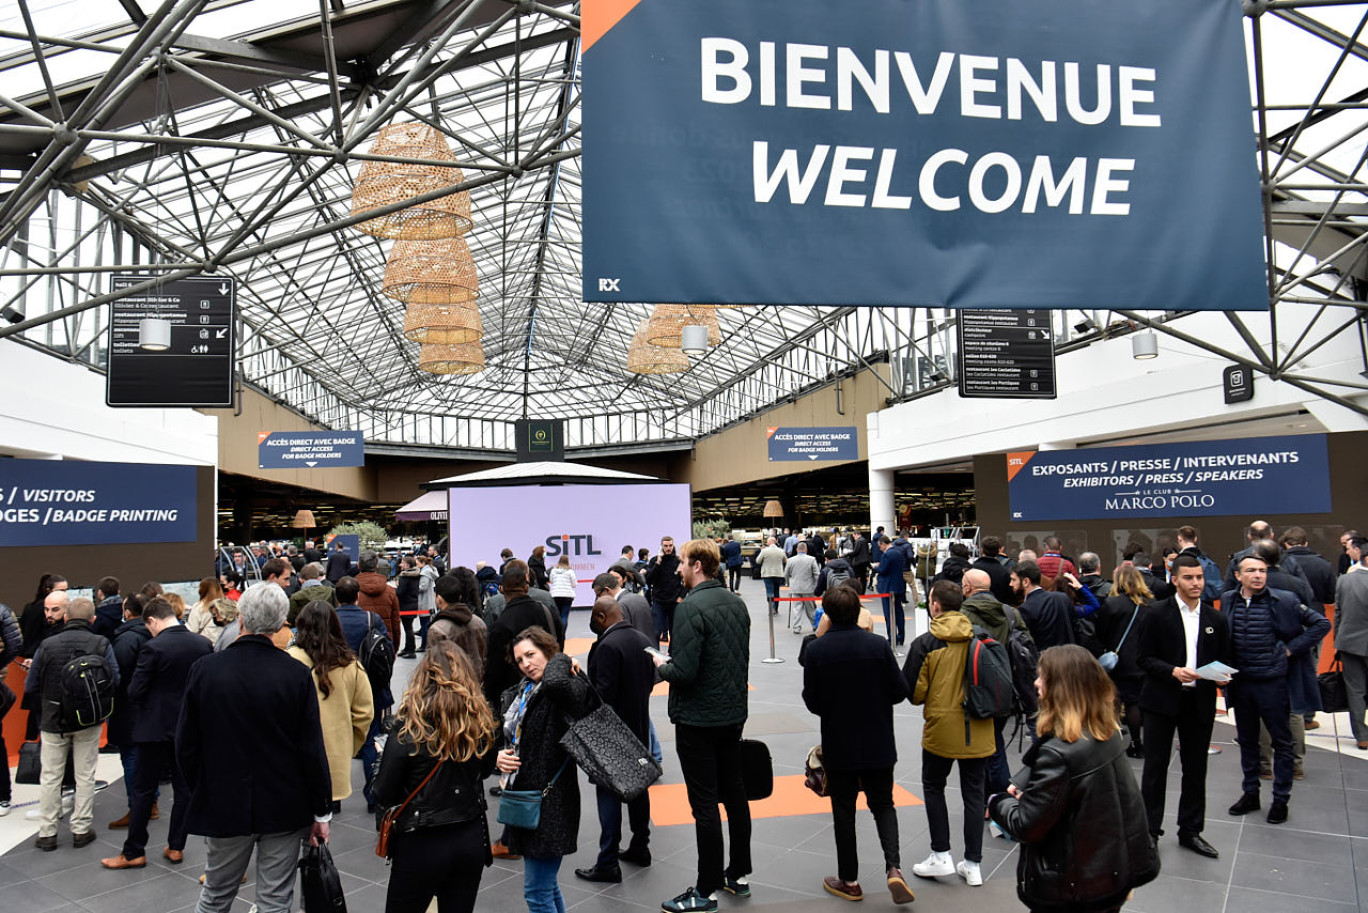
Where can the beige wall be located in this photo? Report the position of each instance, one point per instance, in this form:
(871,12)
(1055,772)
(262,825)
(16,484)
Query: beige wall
(740,454)
(238,449)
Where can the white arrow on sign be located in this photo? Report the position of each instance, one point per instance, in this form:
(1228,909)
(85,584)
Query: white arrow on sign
(812,456)
(310,462)
(223,290)
(221,334)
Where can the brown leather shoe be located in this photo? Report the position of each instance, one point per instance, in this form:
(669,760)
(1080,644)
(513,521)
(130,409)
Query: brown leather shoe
(500,851)
(897,886)
(846,890)
(155,813)
(1312,724)
(121,823)
(175,857)
(1363,746)
(123,862)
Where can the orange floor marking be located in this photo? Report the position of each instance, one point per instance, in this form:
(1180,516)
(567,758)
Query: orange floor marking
(670,802)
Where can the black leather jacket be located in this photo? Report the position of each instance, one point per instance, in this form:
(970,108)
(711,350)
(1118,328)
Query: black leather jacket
(454,794)
(1081,822)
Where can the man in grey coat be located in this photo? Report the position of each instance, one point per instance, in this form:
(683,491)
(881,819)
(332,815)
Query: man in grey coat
(1351,637)
(801,572)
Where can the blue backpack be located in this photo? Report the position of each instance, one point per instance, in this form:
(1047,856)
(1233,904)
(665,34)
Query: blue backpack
(1213,577)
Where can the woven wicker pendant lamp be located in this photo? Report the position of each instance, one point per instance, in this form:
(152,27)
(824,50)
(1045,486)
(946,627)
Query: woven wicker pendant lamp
(445,323)
(643,358)
(431,272)
(382,183)
(452,358)
(667,323)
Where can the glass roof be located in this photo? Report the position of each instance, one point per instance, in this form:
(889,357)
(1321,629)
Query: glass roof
(235,155)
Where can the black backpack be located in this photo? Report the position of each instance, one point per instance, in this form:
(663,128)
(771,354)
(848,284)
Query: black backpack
(376,655)
(87,692)
(836,576)
(1021,650)
(988,679)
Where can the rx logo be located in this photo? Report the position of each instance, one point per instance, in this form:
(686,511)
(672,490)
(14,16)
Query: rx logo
(609,285)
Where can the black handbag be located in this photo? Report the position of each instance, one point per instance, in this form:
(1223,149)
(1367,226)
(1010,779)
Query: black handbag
(757,770)
(319,883)
(604,748)
(1334,696)
(30,769)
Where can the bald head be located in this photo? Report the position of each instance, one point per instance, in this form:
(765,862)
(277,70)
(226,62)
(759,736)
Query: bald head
(976,581)
(606,613)
(55,599)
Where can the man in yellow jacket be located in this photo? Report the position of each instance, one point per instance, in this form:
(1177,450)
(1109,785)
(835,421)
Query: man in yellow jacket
(935,675)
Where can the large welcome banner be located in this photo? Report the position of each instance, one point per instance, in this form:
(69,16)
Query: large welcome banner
(960,153)
(1265,475)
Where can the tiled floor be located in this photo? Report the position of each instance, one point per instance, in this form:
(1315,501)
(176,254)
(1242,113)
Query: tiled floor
(1309,865)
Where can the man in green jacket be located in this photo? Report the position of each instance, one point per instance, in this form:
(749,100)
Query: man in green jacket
(935,674)
(709,653)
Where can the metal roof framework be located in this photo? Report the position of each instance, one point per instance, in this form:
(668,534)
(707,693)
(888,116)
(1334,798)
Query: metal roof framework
(224,136)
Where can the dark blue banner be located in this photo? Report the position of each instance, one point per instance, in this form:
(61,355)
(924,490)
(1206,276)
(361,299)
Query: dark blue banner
(308,449)
(960,153)
(1264,475)
(60,502)
(812,444)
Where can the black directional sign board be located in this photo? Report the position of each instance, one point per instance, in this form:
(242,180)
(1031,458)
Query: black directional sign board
(196,369)
(1006,355)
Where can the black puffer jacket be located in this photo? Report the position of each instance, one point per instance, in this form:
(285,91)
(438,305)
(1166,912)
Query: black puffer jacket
(1081,822)
(562,697)
(454,794)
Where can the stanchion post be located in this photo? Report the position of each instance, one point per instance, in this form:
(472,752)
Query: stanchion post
(771,659)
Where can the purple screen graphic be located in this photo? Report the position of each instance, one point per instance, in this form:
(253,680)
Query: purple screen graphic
(589,523)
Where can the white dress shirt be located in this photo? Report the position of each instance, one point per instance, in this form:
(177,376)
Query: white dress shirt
(1192,621)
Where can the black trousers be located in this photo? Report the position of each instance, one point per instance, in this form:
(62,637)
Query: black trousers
(442,862)
(154,758)
(935,771)
(710,759)
(406,621)
(877,785)
(1252,701)
(1193,727)
(734,578)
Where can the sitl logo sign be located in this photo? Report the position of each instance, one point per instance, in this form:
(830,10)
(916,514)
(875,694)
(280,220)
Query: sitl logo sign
(573,545)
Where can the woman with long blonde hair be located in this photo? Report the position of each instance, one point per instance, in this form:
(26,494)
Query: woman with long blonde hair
(1079,817)
(1119,623)
(436,762)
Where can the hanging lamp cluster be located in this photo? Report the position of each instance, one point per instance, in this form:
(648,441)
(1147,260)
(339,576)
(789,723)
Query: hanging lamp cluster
(674,332)
(430,268)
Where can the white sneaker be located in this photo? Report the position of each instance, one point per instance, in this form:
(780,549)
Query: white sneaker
(970,872)
(934,865)
(4,808)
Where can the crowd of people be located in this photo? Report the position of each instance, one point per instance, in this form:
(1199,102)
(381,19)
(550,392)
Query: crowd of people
(1118,666)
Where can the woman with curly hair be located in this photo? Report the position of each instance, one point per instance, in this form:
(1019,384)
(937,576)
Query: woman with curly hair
(436,760)
(345,704)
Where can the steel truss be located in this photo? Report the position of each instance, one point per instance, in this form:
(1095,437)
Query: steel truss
(140,145)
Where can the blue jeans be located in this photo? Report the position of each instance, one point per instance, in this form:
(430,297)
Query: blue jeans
(896,613)
(655,745)
(772,591)
(660,614)
(541,890)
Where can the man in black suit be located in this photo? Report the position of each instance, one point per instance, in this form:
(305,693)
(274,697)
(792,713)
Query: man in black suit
(623,674)
(156,690)
(1048,615)
(250,746)
(1182,634)
(339,563)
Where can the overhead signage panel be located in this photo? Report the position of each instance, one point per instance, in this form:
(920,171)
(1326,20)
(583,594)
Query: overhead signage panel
(195,320)
(812,444)
(310,449)
(1005,354)
(1268,475)
(1063,153)
(61,502)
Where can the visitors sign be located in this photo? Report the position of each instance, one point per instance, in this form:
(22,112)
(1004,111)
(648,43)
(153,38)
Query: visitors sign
(1267,475)
(1056,154)
(812,444)
(1005,354)
(71,502)
(309,449)
(196,366)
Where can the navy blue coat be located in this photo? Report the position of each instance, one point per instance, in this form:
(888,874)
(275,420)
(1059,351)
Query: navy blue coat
(731,553)
(1298,629)
(851,681)
(156,689)
(250,743)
